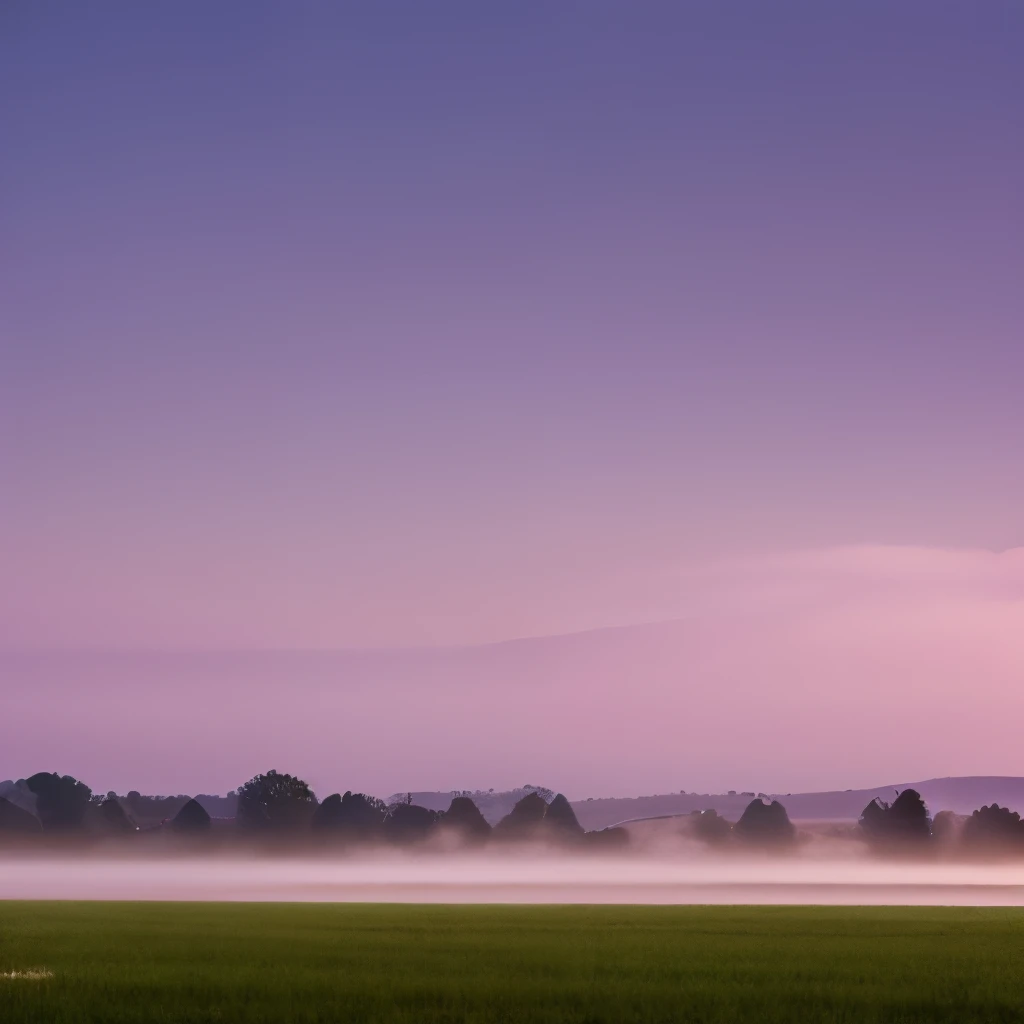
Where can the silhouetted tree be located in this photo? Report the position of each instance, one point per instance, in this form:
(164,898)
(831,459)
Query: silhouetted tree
(560,819)
(872,819)
(407,823)
(275,802)
(353,816)
(113,818)
(61,801)
(16,819)
(993,827)
(464,818)
(764,823)
(192,819)
(903,821)
(524,820)
(709,826)
(613,838)
(909,816)
(327,816)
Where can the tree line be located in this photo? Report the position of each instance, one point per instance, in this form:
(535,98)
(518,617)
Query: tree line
(276,805)
(903,824)
(906,822)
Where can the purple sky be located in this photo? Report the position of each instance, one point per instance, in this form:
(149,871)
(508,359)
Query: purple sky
(398,324)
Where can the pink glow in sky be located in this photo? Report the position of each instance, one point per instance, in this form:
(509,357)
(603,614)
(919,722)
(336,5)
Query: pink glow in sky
(828,669)
(372,329)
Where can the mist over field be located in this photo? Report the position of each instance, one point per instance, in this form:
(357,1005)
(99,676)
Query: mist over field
(406,408)
(662,866)
(511,512)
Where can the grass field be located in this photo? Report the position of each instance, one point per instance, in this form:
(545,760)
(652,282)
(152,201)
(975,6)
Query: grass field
(192,962)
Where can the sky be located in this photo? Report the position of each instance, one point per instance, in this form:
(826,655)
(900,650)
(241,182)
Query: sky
(386,326)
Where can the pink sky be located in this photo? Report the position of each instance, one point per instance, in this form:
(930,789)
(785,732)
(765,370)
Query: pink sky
(365,327)
(829,668)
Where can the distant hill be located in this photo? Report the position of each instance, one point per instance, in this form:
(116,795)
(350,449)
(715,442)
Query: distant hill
(959,794)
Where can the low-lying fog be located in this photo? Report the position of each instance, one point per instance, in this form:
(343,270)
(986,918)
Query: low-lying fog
(833,872)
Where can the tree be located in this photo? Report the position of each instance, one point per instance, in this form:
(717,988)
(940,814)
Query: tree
(613,838)
(560,819)
(464,818)
(710,826)
(909,817)
(275,802)
(524,820)
(872,819)
(354,815)
(993,827)
(61,801)
(113,817)
(327,816)
(192,819)
(765,823)
(903,821)
(407,823)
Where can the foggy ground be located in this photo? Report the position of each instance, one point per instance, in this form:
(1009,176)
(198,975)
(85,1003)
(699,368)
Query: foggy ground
(660,868)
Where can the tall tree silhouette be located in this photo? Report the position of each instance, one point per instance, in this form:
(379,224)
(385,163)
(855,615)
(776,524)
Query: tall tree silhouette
(327,815)
(560,820)
(352,816)
(463,818)
(764,823)
(710,826)
(905,820)
(909,816)
(275,802)
(524,820)
(192,819)
(408,823)
(113,816)
(994,827)
(61,801)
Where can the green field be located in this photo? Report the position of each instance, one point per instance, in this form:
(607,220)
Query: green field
(340,962)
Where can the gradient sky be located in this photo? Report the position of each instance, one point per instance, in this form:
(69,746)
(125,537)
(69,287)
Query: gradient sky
(338,325)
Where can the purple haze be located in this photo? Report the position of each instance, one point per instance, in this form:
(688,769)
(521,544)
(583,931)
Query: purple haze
(400,325)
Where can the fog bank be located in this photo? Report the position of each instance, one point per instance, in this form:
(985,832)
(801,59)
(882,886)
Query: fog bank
(534,877)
